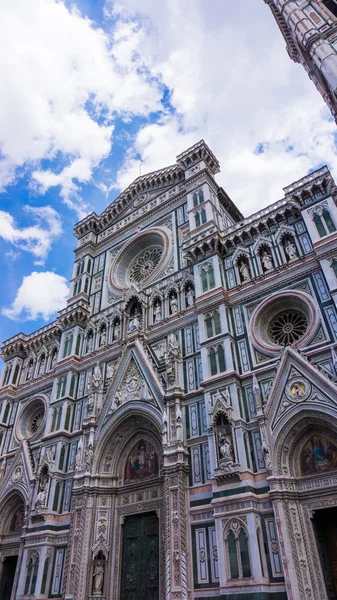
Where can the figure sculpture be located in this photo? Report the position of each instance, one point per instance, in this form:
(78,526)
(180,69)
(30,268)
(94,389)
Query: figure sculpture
(267,261)
(291,250)
(244,272)
(98,577)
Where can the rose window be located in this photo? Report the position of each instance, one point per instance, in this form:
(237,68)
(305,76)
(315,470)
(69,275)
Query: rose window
(36,421)
(287,327)
(145,264)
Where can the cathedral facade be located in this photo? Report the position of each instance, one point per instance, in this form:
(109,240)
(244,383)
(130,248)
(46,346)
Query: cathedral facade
(172,435)
(309,28)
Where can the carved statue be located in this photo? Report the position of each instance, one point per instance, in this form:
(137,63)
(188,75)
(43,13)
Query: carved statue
(157,312)
(116,330)
(53,360)
(51,456)
(90,343)
(41,367)
(30,371)
(102,339)
(41,497)
(173,348)
(78,460)
(89,455)
(3,469)
(267,261)
(134,323)
(174,304)
(165,428)
(291,250)
(226,448)
(179,424)
(97,377)
(190,295)
(243,268)
(98,577)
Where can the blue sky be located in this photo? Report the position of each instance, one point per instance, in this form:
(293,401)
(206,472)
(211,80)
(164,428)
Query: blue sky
(95,92)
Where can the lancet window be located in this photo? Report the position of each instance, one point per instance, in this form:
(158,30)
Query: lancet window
(212,324)
(238,560)
(217,359)
(207,278)
(32,569)
(198,197)
(200,217)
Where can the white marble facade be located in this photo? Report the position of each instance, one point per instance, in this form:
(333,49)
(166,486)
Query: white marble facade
(173,433)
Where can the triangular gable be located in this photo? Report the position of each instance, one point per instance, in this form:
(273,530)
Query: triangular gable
(19,474)
(298,384)
(134,380)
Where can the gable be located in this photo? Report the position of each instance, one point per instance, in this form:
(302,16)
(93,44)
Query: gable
(298,386)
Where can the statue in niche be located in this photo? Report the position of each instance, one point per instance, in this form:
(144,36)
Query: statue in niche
(291,250)
(42,363)
(173,304)
(89,455)
(3,469)
(102,338)
(110,369)
(179,424)
(226,448)
(53,360)
(224,442)
(78,460)
(98,577)
(157,313)
(116,330)
(51,457)
(30,371)
(90,342)
(41,497)
(134,323)
(173,352)
(244,271)
(267,261)
(190,295)
(165,428)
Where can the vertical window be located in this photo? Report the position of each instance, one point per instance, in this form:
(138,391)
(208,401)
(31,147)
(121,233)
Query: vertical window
(244,555)
(78,344)
(204,280)
(334,266)
(53,423)
(44,576)
(213,362)
(203,216)
(56,496)
(201,196)
(211,276)
(217,324)
(233,558)
(29,576)
(79,286)
(209,326)
(197,219)
(34,577)
(328,220)
(64,384)
(6,412)
(195,199)
(59,415)
(62,455)
(221,358)
(86,285)
(67,419)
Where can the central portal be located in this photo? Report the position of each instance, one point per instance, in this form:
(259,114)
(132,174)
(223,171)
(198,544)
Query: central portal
(140,558)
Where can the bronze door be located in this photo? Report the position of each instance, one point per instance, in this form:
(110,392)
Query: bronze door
(140,558)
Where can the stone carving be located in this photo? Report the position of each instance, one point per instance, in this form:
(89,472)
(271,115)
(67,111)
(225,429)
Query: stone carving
(102,338)
(298,390)
(133,387)
(244,271)
(190,296)
(134,323)
(291,250)
(98,577)
(3,468)
(78,460)
(165,428)
(267,261)
(157,313)
(110,370)
(171,356)
(53,360)
(226,449)
(95,392)
(41,497)
(173,304)
(116,330)
(89,455)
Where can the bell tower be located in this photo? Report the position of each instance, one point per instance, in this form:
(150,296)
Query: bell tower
(309,28)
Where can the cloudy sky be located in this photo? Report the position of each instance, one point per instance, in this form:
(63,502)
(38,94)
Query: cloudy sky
(95,92)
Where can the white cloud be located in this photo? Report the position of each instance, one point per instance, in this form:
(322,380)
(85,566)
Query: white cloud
(235,86)
(63,82)
(37,238)
(39,295)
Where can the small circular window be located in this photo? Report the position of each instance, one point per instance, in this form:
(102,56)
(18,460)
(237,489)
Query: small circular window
(287,318)
(31,419)
(287,327)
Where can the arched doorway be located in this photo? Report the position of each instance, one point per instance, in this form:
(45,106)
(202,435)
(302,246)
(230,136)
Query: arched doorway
(126,558)
(304,495)
(12,521)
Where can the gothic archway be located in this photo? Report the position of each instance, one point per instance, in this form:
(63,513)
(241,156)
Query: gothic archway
(12,520)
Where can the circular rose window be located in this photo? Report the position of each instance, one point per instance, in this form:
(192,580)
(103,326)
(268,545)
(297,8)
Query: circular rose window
(31,419)
(287,327)
(142,260)
(285,318)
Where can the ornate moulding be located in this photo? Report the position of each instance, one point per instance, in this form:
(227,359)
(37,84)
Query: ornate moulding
(141,260)
(284,318)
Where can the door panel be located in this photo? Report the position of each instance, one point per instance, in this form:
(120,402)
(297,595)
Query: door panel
(7,578)
(140,558)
